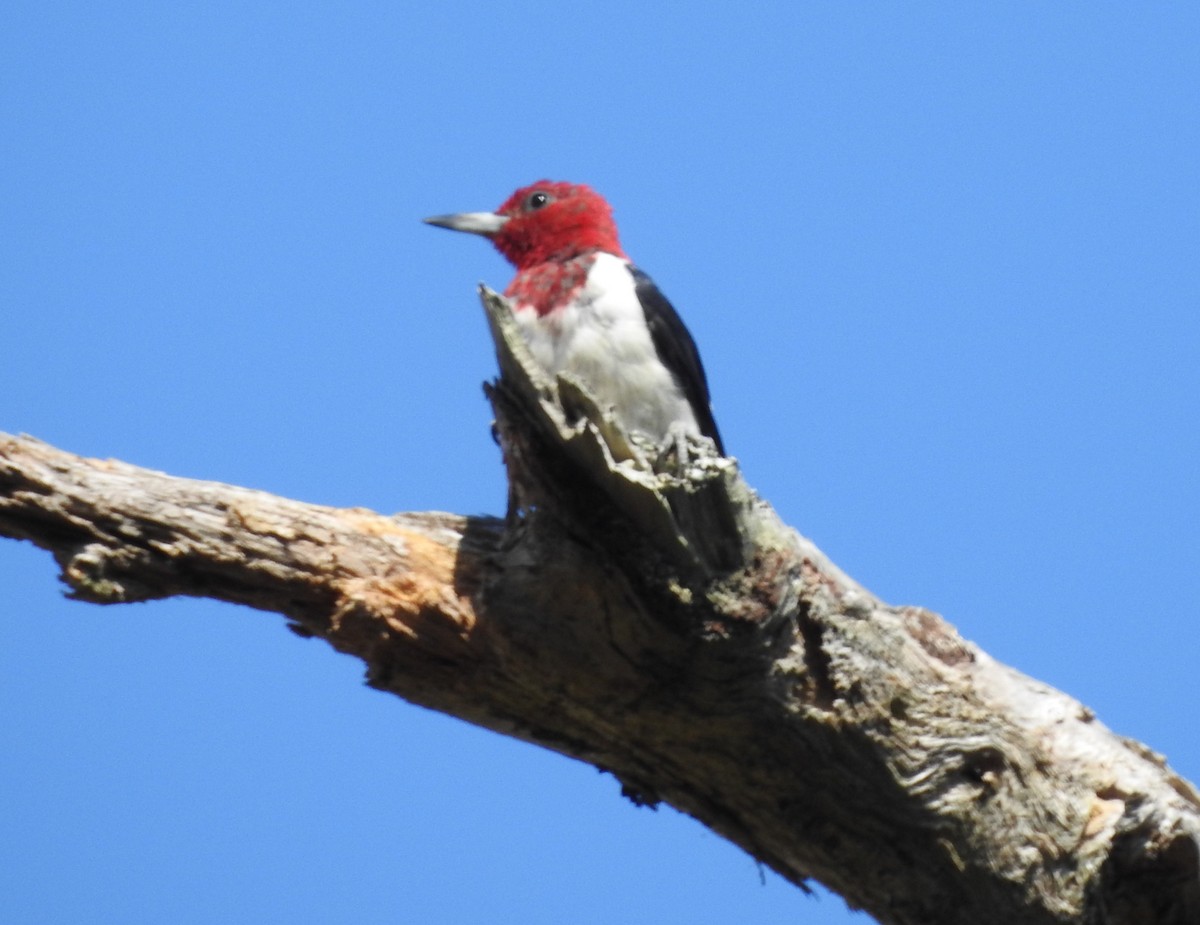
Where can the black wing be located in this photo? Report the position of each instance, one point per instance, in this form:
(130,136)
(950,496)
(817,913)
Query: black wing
(677,351)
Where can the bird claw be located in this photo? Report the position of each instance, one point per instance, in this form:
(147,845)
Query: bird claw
(680,449)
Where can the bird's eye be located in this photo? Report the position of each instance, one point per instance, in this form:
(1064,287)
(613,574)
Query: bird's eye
(537,201)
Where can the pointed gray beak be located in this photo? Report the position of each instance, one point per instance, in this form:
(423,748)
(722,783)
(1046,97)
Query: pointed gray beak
(484,223)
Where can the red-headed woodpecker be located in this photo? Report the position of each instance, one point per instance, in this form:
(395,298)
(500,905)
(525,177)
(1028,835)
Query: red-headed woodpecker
(587,311)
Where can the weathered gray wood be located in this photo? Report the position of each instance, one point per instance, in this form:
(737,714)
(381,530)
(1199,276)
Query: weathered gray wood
(667,627)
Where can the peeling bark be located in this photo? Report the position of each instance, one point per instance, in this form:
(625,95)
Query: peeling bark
(667,627)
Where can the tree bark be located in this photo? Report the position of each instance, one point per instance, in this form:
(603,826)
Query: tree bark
(660,622)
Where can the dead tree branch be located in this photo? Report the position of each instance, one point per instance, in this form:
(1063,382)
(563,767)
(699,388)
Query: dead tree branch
(670,629)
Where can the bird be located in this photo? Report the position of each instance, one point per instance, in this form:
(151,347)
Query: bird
(586,310)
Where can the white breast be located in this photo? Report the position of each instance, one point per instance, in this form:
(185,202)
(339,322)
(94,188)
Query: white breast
(601,339)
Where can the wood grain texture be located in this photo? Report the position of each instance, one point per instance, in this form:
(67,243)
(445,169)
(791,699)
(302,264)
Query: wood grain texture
(661,623)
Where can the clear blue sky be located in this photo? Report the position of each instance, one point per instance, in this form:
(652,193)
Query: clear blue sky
(942,264)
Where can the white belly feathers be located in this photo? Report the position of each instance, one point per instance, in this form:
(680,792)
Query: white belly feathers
(600,338)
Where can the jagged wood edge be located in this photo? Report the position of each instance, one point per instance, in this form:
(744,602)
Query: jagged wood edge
(694,517)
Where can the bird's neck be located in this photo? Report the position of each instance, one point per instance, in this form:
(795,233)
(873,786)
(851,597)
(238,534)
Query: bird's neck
(551,284)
